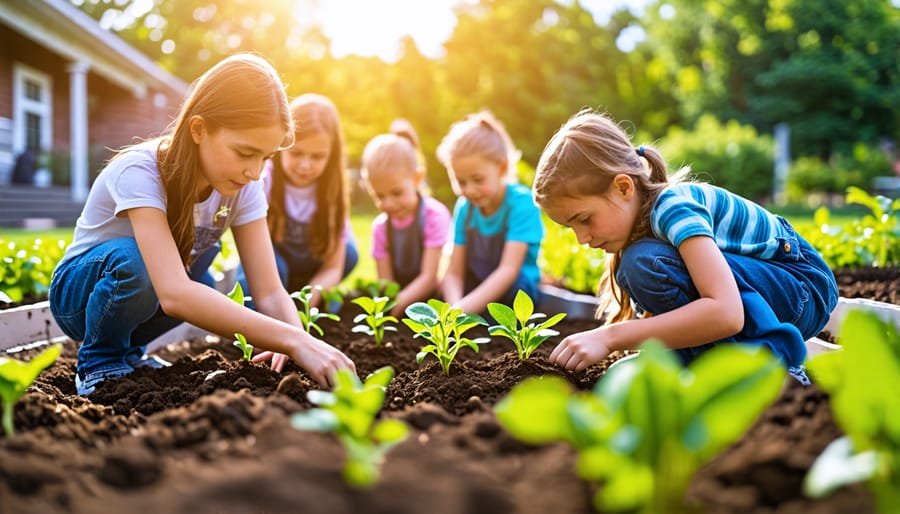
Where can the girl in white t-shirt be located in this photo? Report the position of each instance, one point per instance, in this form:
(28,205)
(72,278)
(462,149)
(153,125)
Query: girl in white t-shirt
(151,217)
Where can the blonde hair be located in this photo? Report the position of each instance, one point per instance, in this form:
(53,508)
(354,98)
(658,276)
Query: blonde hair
(582,159)
(483,135)
(315,114)
(389,152)
(242,91)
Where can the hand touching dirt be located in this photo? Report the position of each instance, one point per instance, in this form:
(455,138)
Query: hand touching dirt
(580,350)
(318,358)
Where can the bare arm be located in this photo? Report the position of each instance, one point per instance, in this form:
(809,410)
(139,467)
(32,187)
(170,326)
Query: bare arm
(453,283)
(330,274)
(717,314)
(184,299)
(499,281)
(422,287)
(384,269)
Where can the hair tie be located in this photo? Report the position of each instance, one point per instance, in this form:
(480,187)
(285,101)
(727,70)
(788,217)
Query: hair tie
(640,150)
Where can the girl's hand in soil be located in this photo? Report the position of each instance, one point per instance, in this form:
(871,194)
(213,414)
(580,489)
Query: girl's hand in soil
(578,351)
(318,358)
(278,360)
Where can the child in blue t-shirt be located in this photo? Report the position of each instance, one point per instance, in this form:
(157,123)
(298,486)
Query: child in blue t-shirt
(692,264)
(497,228)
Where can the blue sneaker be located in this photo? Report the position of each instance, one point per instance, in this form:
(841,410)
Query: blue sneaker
(87,385)
(799,373)
(146,361)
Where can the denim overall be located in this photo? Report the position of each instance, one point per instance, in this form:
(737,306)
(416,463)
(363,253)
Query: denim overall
(104,298)
(786,299)
(483,254)
(406,247)
(294,260)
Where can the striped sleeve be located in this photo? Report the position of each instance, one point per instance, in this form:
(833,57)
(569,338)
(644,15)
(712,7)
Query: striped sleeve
(737,224)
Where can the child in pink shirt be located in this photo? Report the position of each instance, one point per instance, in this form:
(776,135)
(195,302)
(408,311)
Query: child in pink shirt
(409,234)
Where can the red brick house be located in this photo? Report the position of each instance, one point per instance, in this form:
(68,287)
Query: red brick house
(74,90)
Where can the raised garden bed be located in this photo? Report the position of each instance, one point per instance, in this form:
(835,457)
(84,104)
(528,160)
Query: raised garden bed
(171,441)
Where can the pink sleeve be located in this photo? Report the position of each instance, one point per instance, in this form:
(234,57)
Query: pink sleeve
(437,223)
(379,237)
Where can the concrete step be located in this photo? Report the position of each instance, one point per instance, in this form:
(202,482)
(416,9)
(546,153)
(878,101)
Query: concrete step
(37,207)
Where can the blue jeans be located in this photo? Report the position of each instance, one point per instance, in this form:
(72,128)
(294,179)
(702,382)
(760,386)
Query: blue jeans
(294,282)
(786,300)
(104,299)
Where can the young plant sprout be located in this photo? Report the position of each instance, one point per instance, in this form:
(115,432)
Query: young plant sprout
(241,343)
(17,376)
(237,295)
(649,423)
(349,411)
(334,296)
(865,409)
(376,316)
(309,316)
(443,326)
(518,324)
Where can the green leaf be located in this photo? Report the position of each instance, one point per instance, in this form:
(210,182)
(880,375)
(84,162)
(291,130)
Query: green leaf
(536,398)
(523,307)
(237,294)
(315,419)
(390,431)
(504,316)
(838,466)
(323,398)
(366,303)
(422,313)
(726,389)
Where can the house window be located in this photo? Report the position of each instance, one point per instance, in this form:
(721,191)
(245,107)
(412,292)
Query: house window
(32,109)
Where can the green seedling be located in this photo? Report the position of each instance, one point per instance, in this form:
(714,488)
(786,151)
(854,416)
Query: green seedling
(349,411)
(17,376)
(310,316)
(241,343)
(444,327)
(519,325)
(649,423)
(237,295)
(376,316)
(380,287)
(863,381)
(334,296)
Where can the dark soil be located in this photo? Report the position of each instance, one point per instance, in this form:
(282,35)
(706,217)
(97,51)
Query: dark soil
(171,441)
(881,284)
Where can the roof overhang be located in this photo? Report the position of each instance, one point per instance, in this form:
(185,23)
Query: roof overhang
(67,31)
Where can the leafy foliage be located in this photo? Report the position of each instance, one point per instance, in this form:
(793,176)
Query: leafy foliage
(863,381)
(729,155)
(573,266)
(16,377)
(27,269)
(310,316)
(518,324)
(443,326)
(349,411)
(375,316)
(648,424)
(872,241)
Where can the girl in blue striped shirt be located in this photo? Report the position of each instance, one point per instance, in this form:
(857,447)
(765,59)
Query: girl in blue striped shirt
(692,264)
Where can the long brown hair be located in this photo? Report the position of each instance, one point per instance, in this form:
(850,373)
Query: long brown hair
(315,114)
(240,92)
(581,159)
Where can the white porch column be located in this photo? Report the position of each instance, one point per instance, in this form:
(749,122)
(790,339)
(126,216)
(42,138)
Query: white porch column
(78,129)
